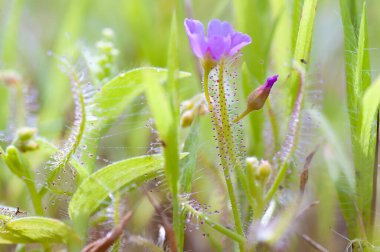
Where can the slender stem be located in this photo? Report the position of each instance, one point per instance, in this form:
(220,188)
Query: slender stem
(226,149)
(36,199)
(226,133)
(227,232)
(280,176)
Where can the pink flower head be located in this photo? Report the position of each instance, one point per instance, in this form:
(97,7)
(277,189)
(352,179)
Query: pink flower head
(221,40)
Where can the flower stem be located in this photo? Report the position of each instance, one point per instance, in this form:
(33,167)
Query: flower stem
(227,134)
(226,149)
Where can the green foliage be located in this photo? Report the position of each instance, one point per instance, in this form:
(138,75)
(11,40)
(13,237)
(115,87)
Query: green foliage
(98,186)
(361,113)
(89,152)
(36,230)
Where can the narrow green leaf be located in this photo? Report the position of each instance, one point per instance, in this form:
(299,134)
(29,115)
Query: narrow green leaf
(296,16)
(305,32)
(171,150)
(357,81)
(370,104)
(99,185)
(303,46)
(36,230)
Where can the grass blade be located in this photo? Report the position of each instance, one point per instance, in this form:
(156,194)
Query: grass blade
(36,230)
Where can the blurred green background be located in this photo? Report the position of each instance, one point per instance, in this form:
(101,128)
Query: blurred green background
(31,31)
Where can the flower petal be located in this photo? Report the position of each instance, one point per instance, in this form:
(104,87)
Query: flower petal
(239,40)
(271,81)
(195,32)
(216,47)
(214,28)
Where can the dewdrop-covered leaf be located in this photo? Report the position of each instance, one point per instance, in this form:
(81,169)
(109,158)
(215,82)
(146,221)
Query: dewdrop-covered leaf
(370,105)
(99,185)
(59,164)
(115,95)
(36,230)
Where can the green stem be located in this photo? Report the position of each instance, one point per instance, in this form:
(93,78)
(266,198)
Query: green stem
(226,133)
(36,199)
(227,151)
(227,232)
(280,176)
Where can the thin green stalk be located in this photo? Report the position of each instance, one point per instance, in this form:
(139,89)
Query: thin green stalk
(280,176)
(226,133)
(227,232)
(227,151)
(36,199)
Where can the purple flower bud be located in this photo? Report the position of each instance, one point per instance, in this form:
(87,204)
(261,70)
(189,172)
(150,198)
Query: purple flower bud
(257,97)
(221,40)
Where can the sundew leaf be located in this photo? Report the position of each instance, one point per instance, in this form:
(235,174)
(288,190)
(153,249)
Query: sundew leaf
(99,185)
(115,95)
(36,230)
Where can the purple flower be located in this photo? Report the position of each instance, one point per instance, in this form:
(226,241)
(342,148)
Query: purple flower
(221,40)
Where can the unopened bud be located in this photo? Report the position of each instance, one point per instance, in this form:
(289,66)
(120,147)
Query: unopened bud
(13,160)
(203,110)
(257,97)
(187,118)
(25,139)
(26,133)
(252,165)
(264,170)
